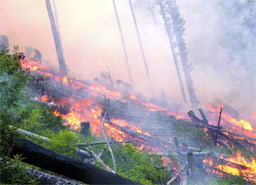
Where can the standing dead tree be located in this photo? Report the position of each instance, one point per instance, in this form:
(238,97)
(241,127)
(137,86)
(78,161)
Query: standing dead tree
(123,43)
(169,31)
(57,40)
(141,47)
(171,10)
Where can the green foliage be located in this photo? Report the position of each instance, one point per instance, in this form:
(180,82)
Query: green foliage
(64,142)
(13,172)
(38,119)
(7,133)
(136,165)
(12,80)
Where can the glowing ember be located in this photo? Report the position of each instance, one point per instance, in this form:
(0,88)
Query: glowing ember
(65,80)
(44,98)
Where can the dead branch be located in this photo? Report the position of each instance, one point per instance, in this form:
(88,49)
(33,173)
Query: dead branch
(105,138)
(218,127)
(103,143)
(95,156)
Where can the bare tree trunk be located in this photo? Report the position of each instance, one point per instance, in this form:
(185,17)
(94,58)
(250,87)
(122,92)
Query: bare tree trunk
(123,44)
(170,37)
(178,29)
(141,47)
(57,40)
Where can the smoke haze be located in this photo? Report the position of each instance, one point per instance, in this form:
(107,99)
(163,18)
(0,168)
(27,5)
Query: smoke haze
(91,43)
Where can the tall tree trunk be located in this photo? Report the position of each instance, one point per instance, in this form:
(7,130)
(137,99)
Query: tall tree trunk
(170,37)
(57,40)
(141,47)
(177,23)
(123,44)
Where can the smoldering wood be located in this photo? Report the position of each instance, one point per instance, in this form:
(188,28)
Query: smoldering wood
(176,143)
(49,160)
(197,121)
(205,120)
(218,127)
(85,128)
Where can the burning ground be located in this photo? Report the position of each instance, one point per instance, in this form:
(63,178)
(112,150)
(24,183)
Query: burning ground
(150,124)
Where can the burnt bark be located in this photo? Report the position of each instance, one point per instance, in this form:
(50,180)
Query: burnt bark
(47,159)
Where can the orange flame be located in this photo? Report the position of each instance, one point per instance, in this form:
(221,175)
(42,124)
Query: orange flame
(44,98)
(248,173)
(87,109)
(65,80)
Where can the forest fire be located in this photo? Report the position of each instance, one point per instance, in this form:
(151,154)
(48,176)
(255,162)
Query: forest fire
(247,169)
(88,108)
(239,126)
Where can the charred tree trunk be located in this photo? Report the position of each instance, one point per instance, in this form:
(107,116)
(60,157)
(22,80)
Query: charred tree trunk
(47,159)
(57,41)
(178,29)
(169,32)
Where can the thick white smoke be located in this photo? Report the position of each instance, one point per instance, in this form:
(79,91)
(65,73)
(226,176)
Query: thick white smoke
(220,45)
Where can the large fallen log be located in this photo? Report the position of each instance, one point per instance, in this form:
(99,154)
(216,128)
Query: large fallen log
(47,159)
(46,178)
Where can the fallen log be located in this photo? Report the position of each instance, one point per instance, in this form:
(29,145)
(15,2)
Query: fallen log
(83,153)
(103,143)
(46,178)
(49,160)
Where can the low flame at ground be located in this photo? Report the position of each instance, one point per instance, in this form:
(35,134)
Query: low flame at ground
(248,171)
(88,109)
(232,124)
